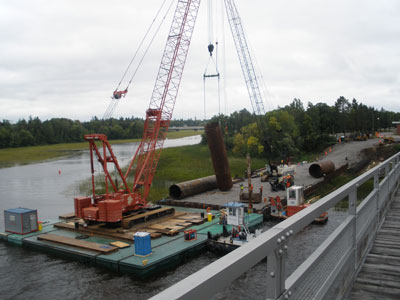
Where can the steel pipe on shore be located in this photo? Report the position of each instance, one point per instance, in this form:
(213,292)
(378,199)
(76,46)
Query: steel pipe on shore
(320,169)
(193,187)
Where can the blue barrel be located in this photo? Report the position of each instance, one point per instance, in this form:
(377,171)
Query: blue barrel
(142,243)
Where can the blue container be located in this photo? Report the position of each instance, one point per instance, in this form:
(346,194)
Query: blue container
(20,220)
(142,243)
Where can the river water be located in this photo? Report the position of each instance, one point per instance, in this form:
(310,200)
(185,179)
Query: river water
(26,274)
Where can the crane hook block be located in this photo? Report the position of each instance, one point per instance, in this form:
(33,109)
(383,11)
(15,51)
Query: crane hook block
(210,49)
(119,94)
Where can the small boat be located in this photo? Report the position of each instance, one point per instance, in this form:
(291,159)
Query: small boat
(235,231)
(292,204)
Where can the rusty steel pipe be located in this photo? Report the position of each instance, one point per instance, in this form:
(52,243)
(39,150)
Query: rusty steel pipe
(218,155)
(320,169)
(192,187)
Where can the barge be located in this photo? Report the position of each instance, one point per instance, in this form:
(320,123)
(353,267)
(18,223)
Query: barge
(94,246)
(235,230)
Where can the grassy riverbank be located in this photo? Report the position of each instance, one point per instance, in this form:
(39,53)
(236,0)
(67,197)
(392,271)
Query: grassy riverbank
(180,164)
(26,155)
(339,181)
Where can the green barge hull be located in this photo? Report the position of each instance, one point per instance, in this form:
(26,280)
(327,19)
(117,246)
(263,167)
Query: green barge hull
(167,251)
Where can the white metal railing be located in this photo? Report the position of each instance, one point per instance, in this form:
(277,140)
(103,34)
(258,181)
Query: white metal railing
(329,271)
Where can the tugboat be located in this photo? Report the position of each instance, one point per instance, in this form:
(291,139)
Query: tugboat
(284,208)
(235,230)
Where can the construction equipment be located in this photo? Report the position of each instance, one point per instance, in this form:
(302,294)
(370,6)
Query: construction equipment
(110,207)
(123,200)
(282,183)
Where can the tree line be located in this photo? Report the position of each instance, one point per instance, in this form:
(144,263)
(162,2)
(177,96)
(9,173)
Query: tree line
(286,131)
(294,129)
(61,130)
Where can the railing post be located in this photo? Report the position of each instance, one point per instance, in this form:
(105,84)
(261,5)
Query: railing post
(353,212)
(392,178)
(376,187)
(276,266)
(388,185)
(397,170)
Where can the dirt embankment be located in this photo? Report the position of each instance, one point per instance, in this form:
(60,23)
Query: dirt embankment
(372,156)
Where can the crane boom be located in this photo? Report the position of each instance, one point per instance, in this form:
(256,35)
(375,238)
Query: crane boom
(165,91)
(111,206)
(246,62)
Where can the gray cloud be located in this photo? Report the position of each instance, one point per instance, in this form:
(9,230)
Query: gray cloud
(64,58)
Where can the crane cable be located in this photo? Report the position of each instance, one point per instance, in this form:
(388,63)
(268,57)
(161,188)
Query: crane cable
(220,15)
(140,45)
(215,63)
(149,45)
(113,104)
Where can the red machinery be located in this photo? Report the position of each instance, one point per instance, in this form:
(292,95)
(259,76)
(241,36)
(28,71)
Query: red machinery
(110,207)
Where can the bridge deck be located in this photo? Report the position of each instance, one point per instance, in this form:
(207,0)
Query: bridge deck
(380,275)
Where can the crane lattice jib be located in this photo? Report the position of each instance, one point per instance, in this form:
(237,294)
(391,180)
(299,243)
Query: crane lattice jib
(165,91)
(243,52)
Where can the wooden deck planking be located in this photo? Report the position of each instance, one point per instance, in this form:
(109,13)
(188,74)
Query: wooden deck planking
(96,230)
(104,249)
(67,216)
(169,224)
(379,277)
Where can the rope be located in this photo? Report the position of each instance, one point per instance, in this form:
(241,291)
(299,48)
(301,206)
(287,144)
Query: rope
(210,75)
(224,81)
(210,17)
(204,96)
(114,100)
(140,45)
(110,109)
(148,46)
(210,22)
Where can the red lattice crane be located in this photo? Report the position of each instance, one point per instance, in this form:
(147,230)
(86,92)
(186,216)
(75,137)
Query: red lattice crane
(110,207)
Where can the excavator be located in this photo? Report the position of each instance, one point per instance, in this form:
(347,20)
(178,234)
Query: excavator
(127,204)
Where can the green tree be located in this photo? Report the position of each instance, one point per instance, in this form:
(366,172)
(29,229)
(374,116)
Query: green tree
(240,146)
(116,132)
(25,138)
(283,134)
(254,148)
(342,109)
(5,137)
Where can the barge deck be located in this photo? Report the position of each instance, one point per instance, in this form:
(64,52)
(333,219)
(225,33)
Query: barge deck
(168,251)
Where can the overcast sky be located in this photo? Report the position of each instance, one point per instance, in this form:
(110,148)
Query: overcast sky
(63,58)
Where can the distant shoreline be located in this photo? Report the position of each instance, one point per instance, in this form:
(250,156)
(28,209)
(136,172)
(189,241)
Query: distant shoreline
(33,154)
